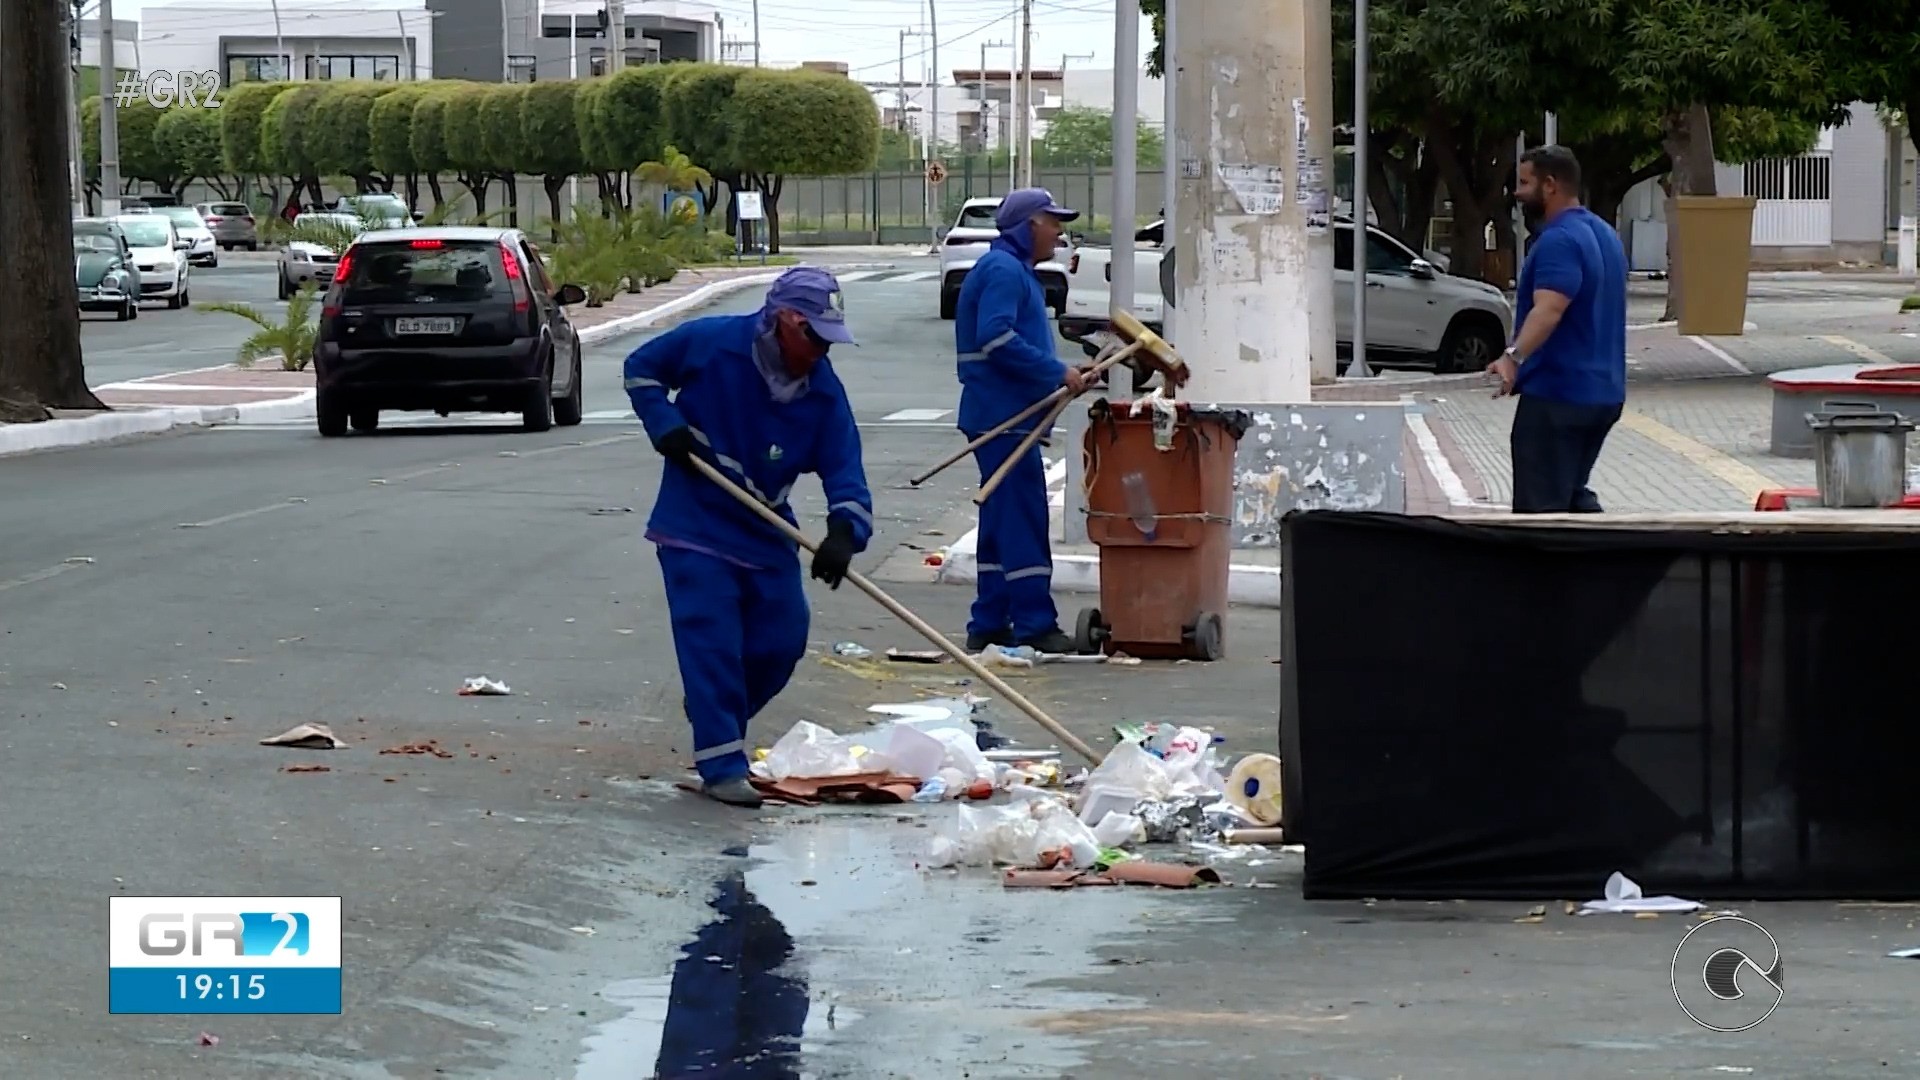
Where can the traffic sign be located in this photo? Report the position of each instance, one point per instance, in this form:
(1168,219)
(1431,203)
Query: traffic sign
(936,172)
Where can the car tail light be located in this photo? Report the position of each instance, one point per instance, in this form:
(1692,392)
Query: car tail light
(215,220)
(331,305)
(522,298)
(428,245)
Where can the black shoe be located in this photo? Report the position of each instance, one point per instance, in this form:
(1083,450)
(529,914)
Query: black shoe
(977,643)
(736,791)
(1054,641)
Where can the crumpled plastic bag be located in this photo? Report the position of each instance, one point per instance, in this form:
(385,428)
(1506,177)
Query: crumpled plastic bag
(1622,895)
(809,752)
(963,755)
(1018,833)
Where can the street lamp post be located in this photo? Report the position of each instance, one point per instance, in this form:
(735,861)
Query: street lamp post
(1358,366)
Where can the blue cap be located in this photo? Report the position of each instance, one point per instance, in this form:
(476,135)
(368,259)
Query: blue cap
(814,293)
(1020,206)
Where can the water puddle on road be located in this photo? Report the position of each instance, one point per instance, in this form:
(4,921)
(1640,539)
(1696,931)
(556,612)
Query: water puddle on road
(831,955)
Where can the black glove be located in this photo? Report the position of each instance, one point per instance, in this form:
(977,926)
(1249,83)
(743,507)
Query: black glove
(680,447)
(835,554)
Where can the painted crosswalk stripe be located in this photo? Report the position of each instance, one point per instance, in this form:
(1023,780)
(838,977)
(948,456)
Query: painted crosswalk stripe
(918,415)
(856,275)
(918,275)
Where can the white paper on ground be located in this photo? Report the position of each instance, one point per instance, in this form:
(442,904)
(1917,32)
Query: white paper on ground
(1623,896)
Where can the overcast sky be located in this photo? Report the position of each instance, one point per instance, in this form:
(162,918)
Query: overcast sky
(866,33)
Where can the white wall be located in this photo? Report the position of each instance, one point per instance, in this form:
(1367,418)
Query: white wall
(125,33)
(1092,88)
(187,37)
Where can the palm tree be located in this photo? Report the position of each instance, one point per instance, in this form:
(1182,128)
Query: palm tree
(674,171)
(291,338)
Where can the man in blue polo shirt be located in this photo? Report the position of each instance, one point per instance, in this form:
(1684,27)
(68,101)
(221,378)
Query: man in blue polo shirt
(1568,362)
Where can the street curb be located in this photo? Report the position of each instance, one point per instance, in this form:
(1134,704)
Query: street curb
(705,294)
(1253,586)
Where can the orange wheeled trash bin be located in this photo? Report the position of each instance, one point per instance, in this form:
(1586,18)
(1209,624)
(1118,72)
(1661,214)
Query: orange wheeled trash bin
(1159,492)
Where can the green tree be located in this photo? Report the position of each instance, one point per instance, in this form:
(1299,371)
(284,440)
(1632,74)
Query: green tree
(551,140)
(898,149)
(283,143)
(1083,136)
(339,137)
(1879,50)
(141,157)
(241,110)
(501,141)
(797,122)
(289,335)
(390,135)
(596,146)
(191,138)
(463,135)
(428,139)
(698,100)
(636,122)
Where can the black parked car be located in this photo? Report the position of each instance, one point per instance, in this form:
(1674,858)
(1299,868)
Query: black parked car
(446,320)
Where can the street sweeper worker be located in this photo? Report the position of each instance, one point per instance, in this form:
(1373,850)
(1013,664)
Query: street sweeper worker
(755,397)
(1006,363)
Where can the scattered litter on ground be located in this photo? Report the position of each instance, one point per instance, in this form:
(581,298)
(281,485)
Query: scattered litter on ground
(1254,787)
(59,686)
(209,1040)
(613,510)
(482,686)
(307,737)
(306,768)
(1623,895)
(1536,914)
(586,931)
(1254,836)
(430,747)
(851,648)
(917,656)
(1904,954)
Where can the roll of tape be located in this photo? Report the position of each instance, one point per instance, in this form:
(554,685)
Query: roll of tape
(1254,787)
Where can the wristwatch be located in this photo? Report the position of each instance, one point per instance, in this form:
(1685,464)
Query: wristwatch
(1513,355)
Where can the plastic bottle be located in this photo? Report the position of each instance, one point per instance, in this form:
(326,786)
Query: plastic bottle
(1140,504)
(934,790)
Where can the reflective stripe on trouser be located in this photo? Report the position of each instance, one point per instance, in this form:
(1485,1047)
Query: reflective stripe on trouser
(1013,568)
(738,634)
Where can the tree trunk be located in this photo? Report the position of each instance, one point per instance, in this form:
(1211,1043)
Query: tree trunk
(554,183)
(433,185)
(1687,137)
(1398,163)
(477,184)
(40,358)
(314,190)
(413,191)
(770,188)
(1477,168)
(1607,190)
(512,184)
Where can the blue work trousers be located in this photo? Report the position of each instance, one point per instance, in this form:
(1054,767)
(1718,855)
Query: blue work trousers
(737,634)
(1014,566)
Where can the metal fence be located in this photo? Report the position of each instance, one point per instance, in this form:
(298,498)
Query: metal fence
(883,207)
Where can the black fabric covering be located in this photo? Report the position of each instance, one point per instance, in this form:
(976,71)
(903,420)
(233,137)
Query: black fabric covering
(1517,711)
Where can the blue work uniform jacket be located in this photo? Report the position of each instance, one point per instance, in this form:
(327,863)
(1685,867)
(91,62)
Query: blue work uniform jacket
(762,445)
(1004,338)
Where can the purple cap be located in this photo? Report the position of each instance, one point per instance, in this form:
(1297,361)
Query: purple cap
(815,293)
(1020,206)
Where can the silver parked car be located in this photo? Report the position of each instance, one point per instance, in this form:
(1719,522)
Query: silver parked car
(232,225)
(304,261)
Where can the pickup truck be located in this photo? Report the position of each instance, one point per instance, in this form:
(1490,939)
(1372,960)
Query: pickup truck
(1417,312)
(962,245)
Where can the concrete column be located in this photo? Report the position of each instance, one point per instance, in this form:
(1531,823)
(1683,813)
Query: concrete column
(1254,269)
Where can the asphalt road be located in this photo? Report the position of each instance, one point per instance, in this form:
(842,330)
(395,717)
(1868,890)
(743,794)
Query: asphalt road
(528,906)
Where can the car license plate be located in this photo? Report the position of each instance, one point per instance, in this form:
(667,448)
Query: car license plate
(425,326)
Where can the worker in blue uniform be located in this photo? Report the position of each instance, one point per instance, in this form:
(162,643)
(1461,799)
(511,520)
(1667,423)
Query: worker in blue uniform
(1006,363)
(755,397)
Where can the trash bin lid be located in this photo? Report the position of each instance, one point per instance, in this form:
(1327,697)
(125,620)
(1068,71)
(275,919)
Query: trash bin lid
(1859,421)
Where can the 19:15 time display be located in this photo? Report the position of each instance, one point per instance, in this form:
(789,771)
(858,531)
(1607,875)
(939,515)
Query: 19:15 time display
(219,988)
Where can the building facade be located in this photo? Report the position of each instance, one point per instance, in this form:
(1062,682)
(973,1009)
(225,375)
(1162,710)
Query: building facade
(563,39)
(254,43)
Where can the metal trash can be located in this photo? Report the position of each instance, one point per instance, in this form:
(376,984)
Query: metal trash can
(1859,457)
(1159,490)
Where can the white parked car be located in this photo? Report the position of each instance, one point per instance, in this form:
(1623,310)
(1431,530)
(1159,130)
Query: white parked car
(1416,311)
(961,246)
(388,211)
(306,261)
(203,250)
(160,253)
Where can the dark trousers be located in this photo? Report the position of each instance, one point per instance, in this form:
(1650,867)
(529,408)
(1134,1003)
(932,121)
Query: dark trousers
(1555,444)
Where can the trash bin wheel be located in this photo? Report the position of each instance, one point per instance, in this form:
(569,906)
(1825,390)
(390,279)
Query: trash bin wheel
(1209,643)
(1089,633)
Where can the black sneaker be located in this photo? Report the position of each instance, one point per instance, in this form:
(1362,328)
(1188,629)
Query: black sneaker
(977,643)
(1054,641)
(736,791)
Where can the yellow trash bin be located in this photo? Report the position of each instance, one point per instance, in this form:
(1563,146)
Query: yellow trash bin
(1716,250)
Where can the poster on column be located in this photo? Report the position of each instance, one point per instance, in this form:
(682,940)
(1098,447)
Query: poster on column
(1309,176)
